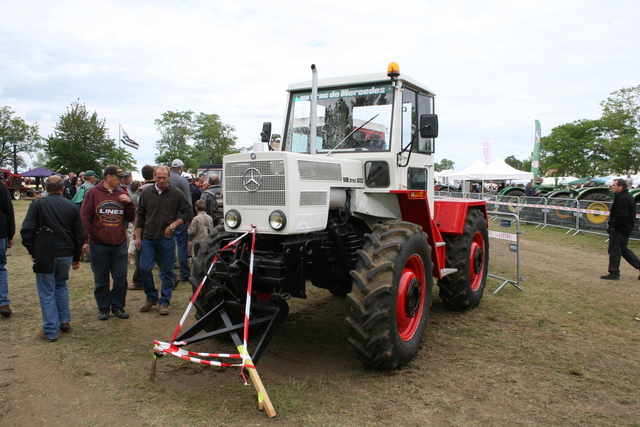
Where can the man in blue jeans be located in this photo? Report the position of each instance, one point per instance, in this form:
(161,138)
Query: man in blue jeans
(63,218)
(104,211)
(7,230)
(162,208)
(181,235)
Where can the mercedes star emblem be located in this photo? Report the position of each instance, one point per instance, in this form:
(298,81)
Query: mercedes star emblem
(252,179)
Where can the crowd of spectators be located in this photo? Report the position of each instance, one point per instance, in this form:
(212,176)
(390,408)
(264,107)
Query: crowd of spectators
(110,223)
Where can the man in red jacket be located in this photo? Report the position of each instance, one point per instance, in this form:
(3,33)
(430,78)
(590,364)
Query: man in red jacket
(104,211)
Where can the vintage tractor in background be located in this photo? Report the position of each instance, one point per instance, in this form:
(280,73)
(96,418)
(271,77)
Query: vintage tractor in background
(595,199)
(345,204)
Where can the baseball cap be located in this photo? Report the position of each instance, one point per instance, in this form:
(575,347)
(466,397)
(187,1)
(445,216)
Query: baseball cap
(177,163)
(187,175)
(89,174)
(113,170)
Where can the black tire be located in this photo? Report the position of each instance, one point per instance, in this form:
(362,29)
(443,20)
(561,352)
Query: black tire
(512,196)
(204,251)
(556,216)
(211,293)
(597,202)
(469,254)
(391,296)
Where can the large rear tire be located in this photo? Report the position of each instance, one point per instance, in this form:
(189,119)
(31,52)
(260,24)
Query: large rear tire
(596,202)
(512,196)
(391,296)
(469,254)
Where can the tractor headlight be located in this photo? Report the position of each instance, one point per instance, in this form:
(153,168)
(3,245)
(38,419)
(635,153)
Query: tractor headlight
(232,218)
(277,220)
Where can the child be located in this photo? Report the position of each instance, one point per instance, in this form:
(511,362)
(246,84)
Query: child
(200,224)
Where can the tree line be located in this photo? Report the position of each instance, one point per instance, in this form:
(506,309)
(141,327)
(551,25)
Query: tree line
(80,141)
(609,145)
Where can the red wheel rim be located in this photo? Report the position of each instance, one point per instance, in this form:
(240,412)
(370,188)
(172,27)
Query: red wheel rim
(476,261)
(410,303)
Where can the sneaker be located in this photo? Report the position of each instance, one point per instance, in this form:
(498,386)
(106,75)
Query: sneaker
(164,310)
(121,313)
(103,315)
(611,277)
(147,306)
(65,327)
(5,311)
(43,337)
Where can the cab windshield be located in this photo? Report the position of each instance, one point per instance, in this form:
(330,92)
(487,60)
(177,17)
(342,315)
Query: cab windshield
(349,119)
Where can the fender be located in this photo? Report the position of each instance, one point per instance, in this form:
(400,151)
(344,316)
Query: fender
(450,217)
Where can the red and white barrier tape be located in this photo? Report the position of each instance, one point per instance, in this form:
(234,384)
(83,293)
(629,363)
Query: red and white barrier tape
(173,347)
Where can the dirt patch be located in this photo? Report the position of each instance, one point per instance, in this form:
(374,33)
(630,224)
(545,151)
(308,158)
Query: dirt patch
(563,352)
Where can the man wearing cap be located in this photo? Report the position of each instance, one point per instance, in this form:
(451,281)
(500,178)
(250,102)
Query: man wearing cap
(104,212)
(89,181)
(181,236)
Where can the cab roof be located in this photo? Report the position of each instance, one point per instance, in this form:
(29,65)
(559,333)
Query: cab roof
(360,79)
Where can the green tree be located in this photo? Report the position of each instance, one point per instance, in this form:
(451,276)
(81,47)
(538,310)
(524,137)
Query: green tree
(16,135)
(620,130)
(80,142)
(176,132)
(514,163)
(212,140)
(443,165)
(609,145)
(572,149)
(194,139)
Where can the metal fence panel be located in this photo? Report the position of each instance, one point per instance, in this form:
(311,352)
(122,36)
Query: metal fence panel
(596,216)
(504,243)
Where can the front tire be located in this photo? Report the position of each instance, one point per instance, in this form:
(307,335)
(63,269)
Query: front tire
(469,254)
(391,296)
(205,250)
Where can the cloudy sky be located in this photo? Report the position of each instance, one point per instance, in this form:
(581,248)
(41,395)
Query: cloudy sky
(495,66)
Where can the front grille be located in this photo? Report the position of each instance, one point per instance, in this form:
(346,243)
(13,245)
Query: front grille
(271,191)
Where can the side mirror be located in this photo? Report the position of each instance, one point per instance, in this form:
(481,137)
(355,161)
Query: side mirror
(265,135)
(429,126)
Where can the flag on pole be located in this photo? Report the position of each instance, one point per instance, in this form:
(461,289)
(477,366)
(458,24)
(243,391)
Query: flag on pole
(535,156)
(486,146)
(128,141)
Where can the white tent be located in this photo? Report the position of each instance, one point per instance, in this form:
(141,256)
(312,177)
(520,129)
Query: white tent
(497,170)
(609,179)
(443,173)
(552,180)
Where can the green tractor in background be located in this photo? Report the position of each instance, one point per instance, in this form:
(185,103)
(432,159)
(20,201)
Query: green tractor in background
(596,199)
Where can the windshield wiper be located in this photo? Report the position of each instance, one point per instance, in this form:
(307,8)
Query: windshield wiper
(352,132)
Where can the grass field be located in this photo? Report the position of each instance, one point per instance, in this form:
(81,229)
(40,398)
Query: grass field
(563,352)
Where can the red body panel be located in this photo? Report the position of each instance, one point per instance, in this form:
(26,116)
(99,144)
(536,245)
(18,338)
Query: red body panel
(449,218)
(451,214)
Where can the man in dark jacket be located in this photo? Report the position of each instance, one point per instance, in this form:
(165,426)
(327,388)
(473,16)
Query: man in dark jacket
(162,208)
(63,218)
(622,220)
(104,211)
(7,230)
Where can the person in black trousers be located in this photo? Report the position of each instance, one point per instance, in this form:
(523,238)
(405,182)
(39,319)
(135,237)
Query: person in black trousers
(622,220)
